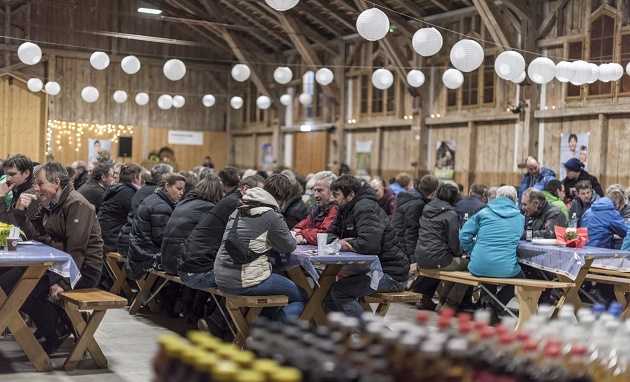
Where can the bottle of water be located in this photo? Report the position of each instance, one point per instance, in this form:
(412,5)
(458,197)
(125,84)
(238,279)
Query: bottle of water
(573,223)
(529,233)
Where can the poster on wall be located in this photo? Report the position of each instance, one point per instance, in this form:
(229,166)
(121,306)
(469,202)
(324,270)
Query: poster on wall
(573,145)
(444,160)
(95,146)
(363,157)
(266,156)
(185,137)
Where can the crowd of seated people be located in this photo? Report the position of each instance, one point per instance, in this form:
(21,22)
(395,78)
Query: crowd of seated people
(223,229)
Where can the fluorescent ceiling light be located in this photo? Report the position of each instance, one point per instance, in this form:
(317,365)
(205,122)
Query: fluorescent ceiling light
(306,128)
(151,11)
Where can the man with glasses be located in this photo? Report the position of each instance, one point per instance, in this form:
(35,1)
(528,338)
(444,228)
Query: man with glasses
(18,170)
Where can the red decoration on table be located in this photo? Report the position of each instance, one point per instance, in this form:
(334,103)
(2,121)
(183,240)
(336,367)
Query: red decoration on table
(572,237)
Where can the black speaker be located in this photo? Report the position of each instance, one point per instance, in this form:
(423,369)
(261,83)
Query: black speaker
(125,145)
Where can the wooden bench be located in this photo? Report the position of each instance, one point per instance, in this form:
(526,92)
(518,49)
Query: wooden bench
(527,291)
(384,299)
(620,282)
(95,303)
(113,261)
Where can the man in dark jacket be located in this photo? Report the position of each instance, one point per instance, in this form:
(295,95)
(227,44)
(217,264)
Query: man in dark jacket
(575,174)
(471,204)
(585,197)
(537,177)
(406,219)
(363,227)
(294,210)
(80,174)
(19,172)
(101,179)
(542,217)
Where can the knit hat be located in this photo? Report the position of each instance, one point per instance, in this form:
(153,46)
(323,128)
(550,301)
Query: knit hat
(574,164)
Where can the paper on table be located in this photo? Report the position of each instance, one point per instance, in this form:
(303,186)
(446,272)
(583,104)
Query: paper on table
(27,242)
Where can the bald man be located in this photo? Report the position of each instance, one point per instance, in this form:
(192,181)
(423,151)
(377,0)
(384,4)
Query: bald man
(537,177)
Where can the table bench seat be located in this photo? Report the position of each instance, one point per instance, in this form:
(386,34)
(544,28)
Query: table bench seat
(384,299)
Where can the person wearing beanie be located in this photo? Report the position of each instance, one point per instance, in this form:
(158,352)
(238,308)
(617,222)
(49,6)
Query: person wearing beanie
(576,173)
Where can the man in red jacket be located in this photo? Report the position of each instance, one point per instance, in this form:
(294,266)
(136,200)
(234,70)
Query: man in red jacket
(322,216)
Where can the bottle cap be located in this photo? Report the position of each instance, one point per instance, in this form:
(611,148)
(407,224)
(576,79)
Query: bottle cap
(224,371)
(487,332)
(265,366)
(465,327)
(552,351)
(501,329)
(578,350)
(522,336)
(483,315)
(422,317)
(243,358)
(287,374)
(598,308)
(530,346)
(447,312)
(506,338)
(444,322)
(250,376)
(464,317)
(207,362)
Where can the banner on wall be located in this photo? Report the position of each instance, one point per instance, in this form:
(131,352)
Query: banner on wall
(573,145)
(363,157)
(184,137)
(95,146)
(266,156)
(444,160)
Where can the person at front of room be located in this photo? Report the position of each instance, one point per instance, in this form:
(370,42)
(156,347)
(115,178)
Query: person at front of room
(554,193)
(603,220)
(362,226)
(322,215)
(537,177)
(256,231)
(18,171)
(101,179)
(147,230)
(576,173)
(585,197)
(542,217)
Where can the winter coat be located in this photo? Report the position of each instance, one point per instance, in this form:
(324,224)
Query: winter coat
(366,227)
(70,225)
(544,223)
(570,184)
(113,212)
(147,232)
(491,237)
(438,240)
(184,218)
(294,211)
(537,182)
(94,192)
(318,221)
(122,242)
(469,205)
(556,202)
(578,207)
(396,188)
(406,220)
(603,221)
(263,229)
(388,202)
(204,241)
(81,179)
(7,211)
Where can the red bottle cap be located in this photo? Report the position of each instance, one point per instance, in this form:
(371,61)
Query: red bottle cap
(447,312)
(530,346)
(464,317)
(552,351)
(553,344)
(522,336)
(501,329)
(487,332)
(506,338)
(444,323)
(578,350)
(479,325)
(422,317)
(465,327)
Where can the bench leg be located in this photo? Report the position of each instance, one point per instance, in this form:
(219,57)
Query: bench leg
(144,289)
(527,303)
(366,306)
(382,309)
(572,295)
(119,276)
(242,327)
(621,296)
(79,325)
(86,339)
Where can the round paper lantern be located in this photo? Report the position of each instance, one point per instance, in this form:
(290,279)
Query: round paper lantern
(99,60)
(130,64)
(453,78)
(427,41)
(52,88)
(285,99)
(324,76)
(263,102)
(29,53)
(594,73)
(120,96)
(282,75)
(179,101)
(581,72)
(89,94)
(467,55)
(541,70)
(616,71)
(282,5)
(174,69)
(415,78)
(305,99)
(509,65)
(564,71)
(165,102)
(208,100)
(35,85)
(520,78)
(142,98)
(628,68)
(241,72)
(236,102)
(382,79)
(372,24)
(605,73)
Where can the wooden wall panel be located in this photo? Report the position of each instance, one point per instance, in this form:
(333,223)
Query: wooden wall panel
(553,130)
(262,139)
(244,151)
(310,152)
(618,156)
(494,151)
(400,149)
(364,136)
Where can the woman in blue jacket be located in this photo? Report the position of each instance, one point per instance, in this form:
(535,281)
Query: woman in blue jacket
(603,220)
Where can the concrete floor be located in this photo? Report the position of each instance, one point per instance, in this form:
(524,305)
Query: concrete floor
(129,343)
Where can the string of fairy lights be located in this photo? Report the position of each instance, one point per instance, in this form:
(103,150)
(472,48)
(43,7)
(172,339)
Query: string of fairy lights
(62,133)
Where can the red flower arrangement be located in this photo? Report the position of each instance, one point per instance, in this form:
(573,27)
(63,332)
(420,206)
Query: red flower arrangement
(571,237)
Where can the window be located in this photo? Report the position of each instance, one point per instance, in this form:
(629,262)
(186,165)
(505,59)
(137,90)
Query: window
(391,96)
(377,100)
(470,88)
(575,53)
(308,87)
(488,80)
(602,37)
(365,83)
(625,57)
(451,98)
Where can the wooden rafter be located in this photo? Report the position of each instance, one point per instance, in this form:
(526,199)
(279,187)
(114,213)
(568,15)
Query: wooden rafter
(253,21)
(440,4)
(326,24)
(231,41)
(410,7)
(334,15)
(491,23)
(547,23)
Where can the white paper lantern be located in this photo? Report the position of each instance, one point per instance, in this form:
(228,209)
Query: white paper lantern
(324,76)
(99,60)
(174,69)
(283,75)
(236,102)
(130,64)
(372,24)
(594,73)
(628,68)
(415,78)
(35,85)
(208,100)
(52,88)
(89,94)
(427,41)
(241,72)
(467,55)
(305,99)
(165,102)
(564,71)
(509,65)
(616,71)
(179,102)
(453,78)
(382,79)
(29,53)
(120,96)
(142,98)
(541,70)
(282,5)
(285,99)
(263,102)
(605,73)
(520,78)
(581,72)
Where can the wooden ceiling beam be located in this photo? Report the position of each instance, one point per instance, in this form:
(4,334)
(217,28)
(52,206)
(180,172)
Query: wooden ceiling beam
(412,8)
(491,23)
(261,27)
(334,15)
(440,5)
(330,27)
(547,23)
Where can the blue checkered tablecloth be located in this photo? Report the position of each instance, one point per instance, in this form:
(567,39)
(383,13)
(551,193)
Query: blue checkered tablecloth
(34,253)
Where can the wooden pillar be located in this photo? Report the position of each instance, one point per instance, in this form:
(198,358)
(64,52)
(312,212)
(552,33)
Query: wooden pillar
(422,137)
(7,33)
(228,124)
(340,77)
(378,150)
(603,128)
(472,153)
